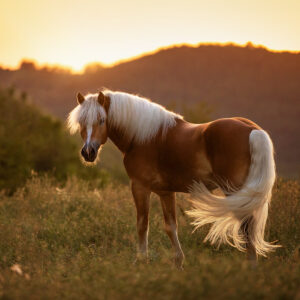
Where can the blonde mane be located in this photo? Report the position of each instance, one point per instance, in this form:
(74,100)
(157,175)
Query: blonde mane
(139,118)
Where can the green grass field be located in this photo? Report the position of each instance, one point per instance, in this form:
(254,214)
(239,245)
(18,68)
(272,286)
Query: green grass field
(75,243)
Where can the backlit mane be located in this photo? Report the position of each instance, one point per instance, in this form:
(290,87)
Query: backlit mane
(140,118)
(86,113)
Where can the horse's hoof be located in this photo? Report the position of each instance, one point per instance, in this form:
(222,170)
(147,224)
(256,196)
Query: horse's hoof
(180,268)
(141,259)
(252,262)
(179,262)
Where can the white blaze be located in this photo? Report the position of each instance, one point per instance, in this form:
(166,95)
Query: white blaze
(89,131)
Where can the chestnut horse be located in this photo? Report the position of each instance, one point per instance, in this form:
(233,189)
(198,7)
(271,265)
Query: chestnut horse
(165,154)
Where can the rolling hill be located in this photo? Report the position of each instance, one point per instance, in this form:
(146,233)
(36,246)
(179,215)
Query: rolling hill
(234,81)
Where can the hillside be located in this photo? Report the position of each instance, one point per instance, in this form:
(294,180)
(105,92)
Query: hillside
(234,81)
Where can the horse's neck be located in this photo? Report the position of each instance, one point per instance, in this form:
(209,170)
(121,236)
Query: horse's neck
(119,138)
(117,135)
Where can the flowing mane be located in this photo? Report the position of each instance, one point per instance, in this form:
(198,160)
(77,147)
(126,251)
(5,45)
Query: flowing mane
(139,118)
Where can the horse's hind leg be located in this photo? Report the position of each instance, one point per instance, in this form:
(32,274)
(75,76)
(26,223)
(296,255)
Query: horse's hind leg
(251,252)
(169,211)
(246,227)
(141,197)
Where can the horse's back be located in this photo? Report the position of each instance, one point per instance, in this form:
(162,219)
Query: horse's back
(227,148)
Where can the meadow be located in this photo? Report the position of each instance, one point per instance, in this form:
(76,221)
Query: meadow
(68,231)
(73,241)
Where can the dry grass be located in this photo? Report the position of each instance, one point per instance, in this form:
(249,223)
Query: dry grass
(75,243)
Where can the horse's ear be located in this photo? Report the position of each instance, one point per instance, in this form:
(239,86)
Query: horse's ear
(101,98)
(80,98)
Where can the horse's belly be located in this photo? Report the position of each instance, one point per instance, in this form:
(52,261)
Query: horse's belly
(182,181)
(158,179)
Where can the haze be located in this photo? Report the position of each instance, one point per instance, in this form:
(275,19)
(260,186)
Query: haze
(74,33)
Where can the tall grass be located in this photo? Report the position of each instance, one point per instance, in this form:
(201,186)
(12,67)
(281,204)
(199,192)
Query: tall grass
(78,243)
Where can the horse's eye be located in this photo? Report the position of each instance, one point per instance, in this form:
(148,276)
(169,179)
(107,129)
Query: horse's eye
(101,121)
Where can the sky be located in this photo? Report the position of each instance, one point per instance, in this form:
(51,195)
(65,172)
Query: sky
(74,33)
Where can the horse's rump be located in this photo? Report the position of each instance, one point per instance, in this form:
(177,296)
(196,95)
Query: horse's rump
(228,214)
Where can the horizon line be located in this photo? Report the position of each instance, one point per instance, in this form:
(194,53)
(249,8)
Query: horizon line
(72,70)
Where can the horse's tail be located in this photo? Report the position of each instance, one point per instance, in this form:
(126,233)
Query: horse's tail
(249,205)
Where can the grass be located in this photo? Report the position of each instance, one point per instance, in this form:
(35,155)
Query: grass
(74,243)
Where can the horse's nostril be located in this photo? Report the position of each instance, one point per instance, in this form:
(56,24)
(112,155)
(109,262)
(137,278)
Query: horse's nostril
(89,153)
(92,152)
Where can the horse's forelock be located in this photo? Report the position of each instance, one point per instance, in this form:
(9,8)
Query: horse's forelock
(86,114)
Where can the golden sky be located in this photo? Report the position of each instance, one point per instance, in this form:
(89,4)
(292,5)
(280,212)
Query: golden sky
(75,32)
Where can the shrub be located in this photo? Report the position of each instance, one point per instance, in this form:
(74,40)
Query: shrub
(32,141)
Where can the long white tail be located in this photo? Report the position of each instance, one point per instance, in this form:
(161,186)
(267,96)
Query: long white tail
(227,214)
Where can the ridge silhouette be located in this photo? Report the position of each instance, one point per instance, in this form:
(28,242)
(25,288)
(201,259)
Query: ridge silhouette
(252,82)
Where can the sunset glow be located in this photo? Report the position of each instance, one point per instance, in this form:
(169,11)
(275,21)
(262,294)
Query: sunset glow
(74,33)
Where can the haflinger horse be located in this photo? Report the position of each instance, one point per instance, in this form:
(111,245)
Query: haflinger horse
(164,154)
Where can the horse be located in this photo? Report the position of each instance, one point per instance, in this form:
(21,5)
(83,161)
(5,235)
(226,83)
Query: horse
(164,154)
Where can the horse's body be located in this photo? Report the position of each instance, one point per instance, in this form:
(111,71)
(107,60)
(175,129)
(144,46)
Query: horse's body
(207,153)
(165,154)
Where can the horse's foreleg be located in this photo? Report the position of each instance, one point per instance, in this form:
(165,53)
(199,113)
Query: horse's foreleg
(141,197)
(169,211)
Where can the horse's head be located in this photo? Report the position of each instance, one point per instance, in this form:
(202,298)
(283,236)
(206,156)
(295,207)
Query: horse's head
(90,119)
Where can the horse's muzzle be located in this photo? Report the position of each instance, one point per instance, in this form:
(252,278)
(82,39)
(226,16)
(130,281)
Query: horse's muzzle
(89,152)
